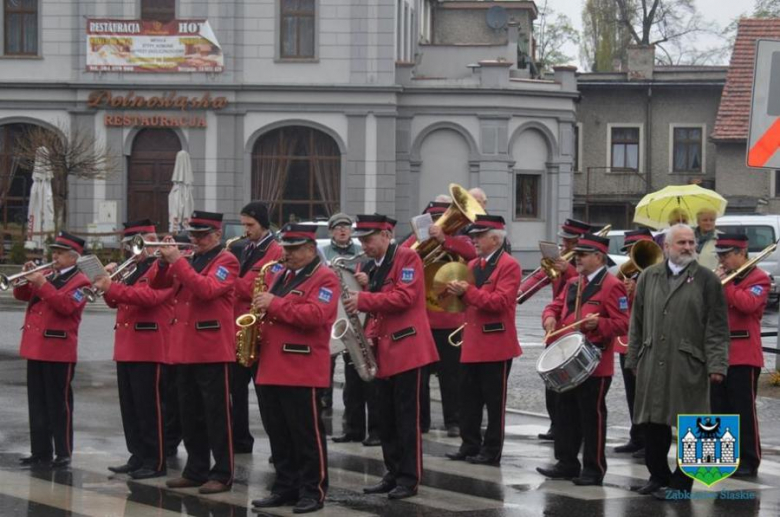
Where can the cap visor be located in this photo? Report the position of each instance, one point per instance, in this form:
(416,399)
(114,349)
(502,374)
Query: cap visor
(478,229)
(363,233)
(724,250)
(567,235)
(291,244)
(60,246)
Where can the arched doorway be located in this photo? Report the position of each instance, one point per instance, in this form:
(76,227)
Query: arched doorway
(149,175)
(297,172)
(15,177)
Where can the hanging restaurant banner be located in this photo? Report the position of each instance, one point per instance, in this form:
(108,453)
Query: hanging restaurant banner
(152,46)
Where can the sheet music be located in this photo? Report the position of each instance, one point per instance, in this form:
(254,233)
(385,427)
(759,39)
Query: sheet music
(91,266)
(549,250)
(420,225)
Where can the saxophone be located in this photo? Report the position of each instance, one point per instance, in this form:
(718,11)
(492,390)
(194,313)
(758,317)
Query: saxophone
(350,331)
(248,335)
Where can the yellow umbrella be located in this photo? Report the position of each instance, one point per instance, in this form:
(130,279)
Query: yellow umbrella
(655,208)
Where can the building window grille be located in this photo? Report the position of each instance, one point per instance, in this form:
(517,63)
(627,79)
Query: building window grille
(296,171)
(297,29)
(687,150)
(527,196)
(21,27)
(625,148)
(158,10)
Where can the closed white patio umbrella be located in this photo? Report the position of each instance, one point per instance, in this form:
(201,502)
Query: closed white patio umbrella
(40,214)
(180,200)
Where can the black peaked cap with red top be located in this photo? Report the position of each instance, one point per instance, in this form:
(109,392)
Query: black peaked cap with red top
(139,227)
(369,223)
(731,241)
(201,221)
(572,228)
(485,222)
(634,236)
(436,208)
(68,241)
(296,234)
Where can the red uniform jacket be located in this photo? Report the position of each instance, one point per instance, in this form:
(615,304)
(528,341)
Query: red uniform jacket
(295,333)
(202,329)
(398,321)
(268,251)
(143,319)
(606,296)
(51,324)
(490,334)
(460,246)
(539,280)
(746,297)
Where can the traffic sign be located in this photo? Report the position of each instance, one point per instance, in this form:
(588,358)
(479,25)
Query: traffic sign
(764,133)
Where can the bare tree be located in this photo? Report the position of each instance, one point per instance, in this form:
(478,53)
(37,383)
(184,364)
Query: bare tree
(553,32)
(70,153)
(605,38)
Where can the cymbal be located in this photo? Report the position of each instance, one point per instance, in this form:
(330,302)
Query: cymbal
(444,274)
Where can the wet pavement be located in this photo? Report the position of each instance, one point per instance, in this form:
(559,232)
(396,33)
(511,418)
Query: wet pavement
(449,488)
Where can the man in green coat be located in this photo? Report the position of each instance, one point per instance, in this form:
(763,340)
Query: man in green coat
(678,345)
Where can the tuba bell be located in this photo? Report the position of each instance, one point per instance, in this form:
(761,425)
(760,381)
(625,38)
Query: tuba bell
(643,254)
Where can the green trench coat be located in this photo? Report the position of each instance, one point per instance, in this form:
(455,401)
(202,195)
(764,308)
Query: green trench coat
(679,334)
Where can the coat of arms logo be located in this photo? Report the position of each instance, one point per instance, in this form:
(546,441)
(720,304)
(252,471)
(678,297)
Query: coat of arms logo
(708,446)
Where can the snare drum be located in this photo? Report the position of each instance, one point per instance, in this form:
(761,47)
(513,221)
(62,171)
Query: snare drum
(567,362)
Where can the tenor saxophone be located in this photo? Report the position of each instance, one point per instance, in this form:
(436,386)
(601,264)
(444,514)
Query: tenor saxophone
(350,331)
(248,335)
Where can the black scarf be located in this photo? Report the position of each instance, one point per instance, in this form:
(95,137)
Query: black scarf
(377,275)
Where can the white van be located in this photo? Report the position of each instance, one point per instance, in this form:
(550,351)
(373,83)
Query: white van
(762,230)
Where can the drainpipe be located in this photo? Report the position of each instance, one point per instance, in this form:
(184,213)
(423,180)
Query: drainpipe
(648,140)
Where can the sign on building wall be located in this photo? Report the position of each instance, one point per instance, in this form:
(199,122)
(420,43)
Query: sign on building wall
(764,134)
(152,46)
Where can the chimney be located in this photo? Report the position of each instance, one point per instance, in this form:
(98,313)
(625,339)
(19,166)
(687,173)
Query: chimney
(641,62)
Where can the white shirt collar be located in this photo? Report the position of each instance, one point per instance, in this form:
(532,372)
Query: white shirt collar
(487,259)
(676,270)
(63,271)
(593,275)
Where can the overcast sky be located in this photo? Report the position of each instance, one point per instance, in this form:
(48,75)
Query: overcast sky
(719,11)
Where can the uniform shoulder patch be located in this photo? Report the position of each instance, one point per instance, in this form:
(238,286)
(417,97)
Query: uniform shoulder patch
(222,273)
(78,295)
(757,290)
(623,303)
(276,268)
(407,275)
(325,295)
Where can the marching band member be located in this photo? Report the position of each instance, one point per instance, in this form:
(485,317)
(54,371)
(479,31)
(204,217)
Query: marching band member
(746,297)
(395,302)
(260,248)
(443,324)
(582,411)
(570,231)
(636,442)
(294,362)
(141,337)
(49,343)
(203,348)
(489,341)
(359,396)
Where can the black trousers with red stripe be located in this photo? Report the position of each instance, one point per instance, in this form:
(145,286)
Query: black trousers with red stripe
(582,422)
(243,440)
(483,385)
(141,398)
(448,370)
(359,399)
(737,394)
(204,408)
(398,406)
(50,406)
(291,417)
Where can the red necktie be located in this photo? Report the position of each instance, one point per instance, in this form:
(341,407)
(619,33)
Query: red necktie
(482,263)
(290,277)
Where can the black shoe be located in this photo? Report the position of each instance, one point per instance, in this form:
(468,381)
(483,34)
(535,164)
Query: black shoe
(745,472)
(124,469)
(556,473)
(274,500)
(628,447)
(481,459)
(651,486)
(401,492)
(34,460)
(346,438)
(640,454)
(587,481)
(457,456)
(147,473)
(453,431)
(549,435)
(382,487)
(60,462)
(307,505)
(372,441)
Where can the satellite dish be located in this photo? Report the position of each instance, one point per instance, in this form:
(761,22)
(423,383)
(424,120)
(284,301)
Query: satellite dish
(496,17)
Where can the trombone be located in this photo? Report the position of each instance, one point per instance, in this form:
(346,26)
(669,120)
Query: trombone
(750,263)
(550,272)
(123,271)
(137,244)
(20,279)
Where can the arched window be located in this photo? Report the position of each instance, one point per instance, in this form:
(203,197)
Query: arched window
(297,172)
(149,175)
(15,177)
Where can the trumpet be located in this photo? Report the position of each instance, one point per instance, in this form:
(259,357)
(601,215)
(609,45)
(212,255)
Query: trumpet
(137,244)
(20,279)
(551,273)
(123,271)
